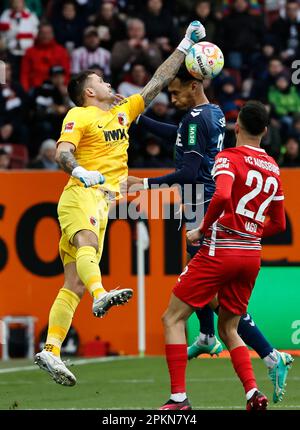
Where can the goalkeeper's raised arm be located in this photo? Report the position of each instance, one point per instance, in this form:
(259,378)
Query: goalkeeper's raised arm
(169,68)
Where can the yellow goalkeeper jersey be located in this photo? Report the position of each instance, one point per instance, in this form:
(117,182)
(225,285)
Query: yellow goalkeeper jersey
(101,138)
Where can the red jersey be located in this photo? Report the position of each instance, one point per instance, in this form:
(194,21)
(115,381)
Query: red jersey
(256,183)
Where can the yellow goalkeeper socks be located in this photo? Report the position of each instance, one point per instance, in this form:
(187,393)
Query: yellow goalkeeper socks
(88,270)
(60,319)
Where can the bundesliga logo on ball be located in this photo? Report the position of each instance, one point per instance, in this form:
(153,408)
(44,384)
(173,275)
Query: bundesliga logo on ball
(204,60)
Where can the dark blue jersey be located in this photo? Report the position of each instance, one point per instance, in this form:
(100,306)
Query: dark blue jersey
(199,138)
(201,131)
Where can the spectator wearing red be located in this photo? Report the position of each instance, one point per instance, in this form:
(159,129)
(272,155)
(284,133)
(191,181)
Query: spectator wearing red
(37,60)
(19,27)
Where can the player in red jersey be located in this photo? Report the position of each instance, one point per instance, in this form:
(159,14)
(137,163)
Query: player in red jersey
(247,205)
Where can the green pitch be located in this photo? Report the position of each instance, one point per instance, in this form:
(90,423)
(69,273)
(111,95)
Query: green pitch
(135,383)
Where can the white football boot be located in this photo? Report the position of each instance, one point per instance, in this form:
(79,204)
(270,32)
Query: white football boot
(109,299)
(55,367)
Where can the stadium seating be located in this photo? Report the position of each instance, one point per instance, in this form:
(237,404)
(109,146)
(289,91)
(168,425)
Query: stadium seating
(18,153)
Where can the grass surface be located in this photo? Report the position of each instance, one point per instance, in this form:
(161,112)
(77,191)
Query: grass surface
(136,383)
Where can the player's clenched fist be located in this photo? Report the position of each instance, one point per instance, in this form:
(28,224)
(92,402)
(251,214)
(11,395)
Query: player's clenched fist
(194,33)
(193,237)
(88,177)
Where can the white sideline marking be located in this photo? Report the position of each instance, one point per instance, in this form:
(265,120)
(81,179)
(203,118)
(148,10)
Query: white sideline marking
(79,362)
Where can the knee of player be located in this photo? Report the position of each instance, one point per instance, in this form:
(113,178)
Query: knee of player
(225,332)
(78,288)
(86,238)
(166,318)
(170,319)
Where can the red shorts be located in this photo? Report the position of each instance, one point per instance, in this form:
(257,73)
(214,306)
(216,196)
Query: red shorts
(231,277)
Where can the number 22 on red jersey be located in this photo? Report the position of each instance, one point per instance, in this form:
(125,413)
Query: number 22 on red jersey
(256,184)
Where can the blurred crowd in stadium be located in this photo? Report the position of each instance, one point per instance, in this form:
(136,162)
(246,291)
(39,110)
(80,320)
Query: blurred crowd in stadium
(43,42)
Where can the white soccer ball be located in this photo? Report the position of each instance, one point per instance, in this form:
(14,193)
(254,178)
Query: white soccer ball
(204,60)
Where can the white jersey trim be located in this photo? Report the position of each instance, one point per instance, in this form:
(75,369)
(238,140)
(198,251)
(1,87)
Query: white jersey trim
(212,246)
(276,198)
(189,152)
(254,148)
(225,172)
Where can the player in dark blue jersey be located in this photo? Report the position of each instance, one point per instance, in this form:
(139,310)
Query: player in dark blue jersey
(199,138)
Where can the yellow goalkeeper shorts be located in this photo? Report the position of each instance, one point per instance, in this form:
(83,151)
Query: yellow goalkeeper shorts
(78,209)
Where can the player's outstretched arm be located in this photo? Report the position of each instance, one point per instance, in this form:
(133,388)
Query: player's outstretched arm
(65,158)
(169,68)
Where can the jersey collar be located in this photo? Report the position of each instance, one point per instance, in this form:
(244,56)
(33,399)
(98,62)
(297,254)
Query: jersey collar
(254,148)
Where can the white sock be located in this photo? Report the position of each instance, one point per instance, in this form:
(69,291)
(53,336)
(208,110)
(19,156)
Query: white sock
(271,360)
(205,339)
(250,393)
(178,397)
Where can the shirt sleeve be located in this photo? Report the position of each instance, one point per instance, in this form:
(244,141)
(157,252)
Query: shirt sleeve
(194,135)
(218,202)
(276,219)
(73,127)
(186,175)
(223,165)
(136,106)
(279,194)
(161,129)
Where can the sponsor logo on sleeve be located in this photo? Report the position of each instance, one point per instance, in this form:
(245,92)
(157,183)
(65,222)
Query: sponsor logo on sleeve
(69,126)
(222,163)
(192,134)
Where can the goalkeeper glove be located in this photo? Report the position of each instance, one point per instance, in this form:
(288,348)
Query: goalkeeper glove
(194,33)
(88,177)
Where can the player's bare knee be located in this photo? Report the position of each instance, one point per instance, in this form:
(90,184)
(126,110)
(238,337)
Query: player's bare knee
(222,330)
(167,319)
(170,319)
(226,332)
(164,318)
(79,289)
(85,238)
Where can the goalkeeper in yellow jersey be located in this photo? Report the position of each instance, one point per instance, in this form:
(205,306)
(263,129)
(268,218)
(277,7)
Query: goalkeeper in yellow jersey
(92,149)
